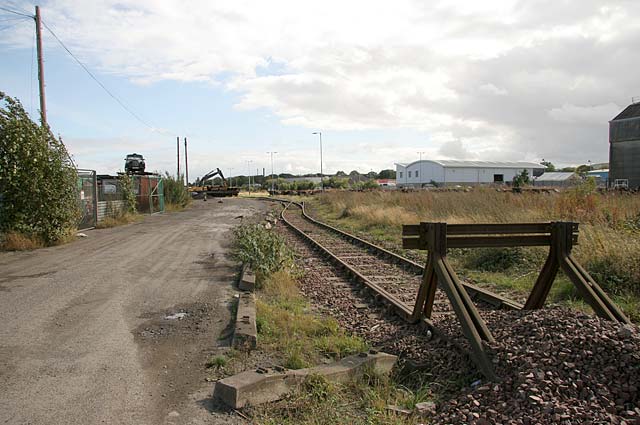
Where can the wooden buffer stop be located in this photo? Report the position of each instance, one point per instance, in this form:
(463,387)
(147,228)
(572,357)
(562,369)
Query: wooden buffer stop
(438,237)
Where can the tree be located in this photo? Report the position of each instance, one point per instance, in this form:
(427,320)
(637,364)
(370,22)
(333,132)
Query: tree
(336,182)
(387,174)
(341,174)
(548,166)
(38,183)
(583,169)
(521,179)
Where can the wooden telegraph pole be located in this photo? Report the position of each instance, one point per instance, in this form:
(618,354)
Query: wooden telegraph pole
(43,105)
(186,163)
(178,156)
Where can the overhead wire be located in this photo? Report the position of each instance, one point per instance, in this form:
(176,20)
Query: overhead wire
(120,102)
(10,26)
(15,12)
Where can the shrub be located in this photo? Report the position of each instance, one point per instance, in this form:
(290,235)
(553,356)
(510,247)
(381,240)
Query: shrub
(265,251)
(175,193)
(494,259)
(38,182)
(125,182)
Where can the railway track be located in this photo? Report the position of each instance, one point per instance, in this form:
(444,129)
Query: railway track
(390,276)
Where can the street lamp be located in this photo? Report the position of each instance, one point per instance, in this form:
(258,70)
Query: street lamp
(271,153)
(319,133)
(420,176)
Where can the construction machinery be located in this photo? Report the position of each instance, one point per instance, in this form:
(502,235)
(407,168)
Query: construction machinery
(201,189)
(134,164)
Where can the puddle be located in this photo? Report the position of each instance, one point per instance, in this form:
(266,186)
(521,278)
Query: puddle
(175,316)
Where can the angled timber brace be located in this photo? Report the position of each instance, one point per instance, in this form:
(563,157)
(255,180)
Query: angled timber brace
(437,270)
(562,239)
(437,237)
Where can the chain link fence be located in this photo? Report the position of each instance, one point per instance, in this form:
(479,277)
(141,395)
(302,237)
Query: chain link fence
(87,199)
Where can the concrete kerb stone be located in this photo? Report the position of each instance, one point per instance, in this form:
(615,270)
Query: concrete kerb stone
(247,280)
(267,385)
(245,335)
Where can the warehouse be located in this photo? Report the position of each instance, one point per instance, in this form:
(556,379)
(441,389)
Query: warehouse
(557,179)
(451,172)
(624,148)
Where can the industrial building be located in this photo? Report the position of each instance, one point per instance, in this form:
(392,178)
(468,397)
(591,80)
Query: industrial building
(557,179)
(451,172)
(624,148)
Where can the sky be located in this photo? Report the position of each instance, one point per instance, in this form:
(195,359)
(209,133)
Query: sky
(384,81)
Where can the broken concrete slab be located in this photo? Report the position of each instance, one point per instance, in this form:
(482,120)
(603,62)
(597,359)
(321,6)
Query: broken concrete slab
(245,335)
(266,385)
(247,279)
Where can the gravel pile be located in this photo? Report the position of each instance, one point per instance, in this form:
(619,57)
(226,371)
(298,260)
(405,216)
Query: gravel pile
(556,366)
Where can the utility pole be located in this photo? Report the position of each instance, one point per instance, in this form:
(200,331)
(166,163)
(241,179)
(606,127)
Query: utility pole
(178,156)
(186,162)
(420,177)
(272,182)
(43,103)
(249,173)
(321,174)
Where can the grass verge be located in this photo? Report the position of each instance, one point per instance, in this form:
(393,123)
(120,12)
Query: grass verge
(292,332)
(122,219)
(16,241)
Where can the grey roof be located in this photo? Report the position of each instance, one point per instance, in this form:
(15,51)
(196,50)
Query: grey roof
(555,177)
(631,111)
(450,163)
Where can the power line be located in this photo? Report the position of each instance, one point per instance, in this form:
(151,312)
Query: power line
(16,18)
(16,13)
(125,107)
(10,26)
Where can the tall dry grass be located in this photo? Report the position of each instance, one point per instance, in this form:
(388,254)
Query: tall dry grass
(482,205)
(609,243)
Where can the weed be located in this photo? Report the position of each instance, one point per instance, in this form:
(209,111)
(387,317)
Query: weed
(218,362)
(16,241)
(266,251)
(176,196)
(119,220)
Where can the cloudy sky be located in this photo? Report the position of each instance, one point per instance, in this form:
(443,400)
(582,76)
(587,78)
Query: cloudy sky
(382,80)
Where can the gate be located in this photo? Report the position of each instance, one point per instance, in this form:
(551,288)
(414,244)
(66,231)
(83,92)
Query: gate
(87,199)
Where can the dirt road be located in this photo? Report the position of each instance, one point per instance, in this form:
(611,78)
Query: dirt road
(84,333)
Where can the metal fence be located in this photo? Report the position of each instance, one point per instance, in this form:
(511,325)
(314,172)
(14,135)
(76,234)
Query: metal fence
(149,192)
(87,199)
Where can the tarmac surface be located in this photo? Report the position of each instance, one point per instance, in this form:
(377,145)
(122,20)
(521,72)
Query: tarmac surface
(92,332)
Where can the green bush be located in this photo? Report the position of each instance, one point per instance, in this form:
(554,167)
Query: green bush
(612,276)
(125,182)
(265,251)
(38,182)
(174,191)
(494,259)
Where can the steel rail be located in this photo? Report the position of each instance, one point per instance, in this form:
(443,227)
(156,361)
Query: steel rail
(398,306)
(475,292)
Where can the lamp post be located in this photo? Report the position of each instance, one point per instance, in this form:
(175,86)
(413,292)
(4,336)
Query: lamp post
(420,176)
(319,133)
(271,153)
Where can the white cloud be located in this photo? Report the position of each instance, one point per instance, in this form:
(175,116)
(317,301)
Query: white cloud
(584,114)
(498,77)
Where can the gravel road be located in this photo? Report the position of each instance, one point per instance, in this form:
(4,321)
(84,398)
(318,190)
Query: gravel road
(84,337)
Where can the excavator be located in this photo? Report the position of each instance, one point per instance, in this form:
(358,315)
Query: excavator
(201,190)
